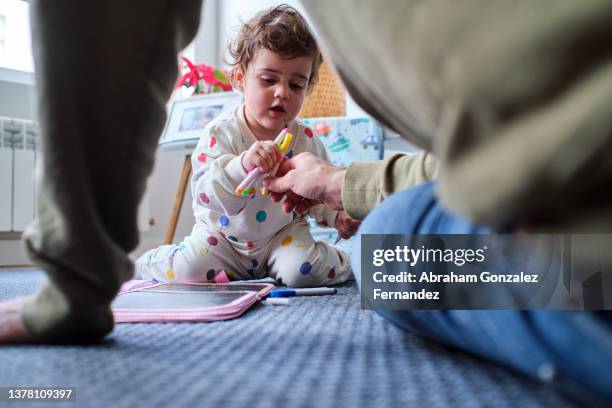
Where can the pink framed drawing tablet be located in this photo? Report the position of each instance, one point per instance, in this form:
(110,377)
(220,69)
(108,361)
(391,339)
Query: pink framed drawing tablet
(151,301)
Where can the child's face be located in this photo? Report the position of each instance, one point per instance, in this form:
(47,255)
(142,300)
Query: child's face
(274,90)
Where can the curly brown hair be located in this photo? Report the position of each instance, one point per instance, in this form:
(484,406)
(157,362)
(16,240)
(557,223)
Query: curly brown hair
(282,30)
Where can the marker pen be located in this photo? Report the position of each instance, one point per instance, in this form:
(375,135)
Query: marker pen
(255,173)
(277,293)
(284,147)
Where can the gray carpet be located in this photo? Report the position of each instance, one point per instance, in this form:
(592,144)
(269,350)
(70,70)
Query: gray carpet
(317,352)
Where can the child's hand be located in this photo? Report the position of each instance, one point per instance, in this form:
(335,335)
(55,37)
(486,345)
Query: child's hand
(346,226)
(263,154)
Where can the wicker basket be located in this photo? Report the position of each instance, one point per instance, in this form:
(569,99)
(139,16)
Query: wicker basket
(327,98)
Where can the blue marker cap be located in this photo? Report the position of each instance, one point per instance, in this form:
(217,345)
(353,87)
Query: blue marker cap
(302,292)
(280,293)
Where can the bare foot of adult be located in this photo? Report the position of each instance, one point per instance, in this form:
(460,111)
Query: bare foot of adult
(12,330)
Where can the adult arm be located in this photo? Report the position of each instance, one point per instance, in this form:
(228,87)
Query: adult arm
(307,180)
(366,184)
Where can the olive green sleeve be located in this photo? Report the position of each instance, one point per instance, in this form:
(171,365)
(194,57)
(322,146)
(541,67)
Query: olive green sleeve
(366,184)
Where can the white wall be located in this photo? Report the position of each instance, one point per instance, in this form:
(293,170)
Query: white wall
(17,100)
(161,191)
(234,12)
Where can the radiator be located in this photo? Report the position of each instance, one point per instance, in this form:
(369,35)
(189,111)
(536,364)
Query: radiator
(18,142)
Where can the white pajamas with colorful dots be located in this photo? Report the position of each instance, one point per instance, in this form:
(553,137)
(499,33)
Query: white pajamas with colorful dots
(247,237)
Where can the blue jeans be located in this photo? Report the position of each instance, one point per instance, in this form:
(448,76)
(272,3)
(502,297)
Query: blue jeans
(571,349)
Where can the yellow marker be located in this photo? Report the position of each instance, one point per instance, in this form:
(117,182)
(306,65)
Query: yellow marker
(284,147)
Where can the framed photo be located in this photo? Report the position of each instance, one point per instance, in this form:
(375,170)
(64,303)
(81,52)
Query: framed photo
(187,117)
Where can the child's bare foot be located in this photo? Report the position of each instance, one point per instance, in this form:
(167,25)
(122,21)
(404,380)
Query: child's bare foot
(12,330)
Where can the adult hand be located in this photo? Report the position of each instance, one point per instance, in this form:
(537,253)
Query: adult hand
(307,180)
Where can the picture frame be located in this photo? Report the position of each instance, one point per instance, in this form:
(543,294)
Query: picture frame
(187,117)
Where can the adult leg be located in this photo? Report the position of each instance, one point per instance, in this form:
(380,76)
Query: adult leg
(297,260)
(104,72)
(573,348)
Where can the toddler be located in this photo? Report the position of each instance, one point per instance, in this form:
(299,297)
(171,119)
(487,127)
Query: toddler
(276,61)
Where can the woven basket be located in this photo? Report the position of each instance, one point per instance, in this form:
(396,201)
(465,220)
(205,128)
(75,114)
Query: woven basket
(327,98)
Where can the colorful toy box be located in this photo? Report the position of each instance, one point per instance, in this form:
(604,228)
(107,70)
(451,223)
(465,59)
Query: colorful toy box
(347,140)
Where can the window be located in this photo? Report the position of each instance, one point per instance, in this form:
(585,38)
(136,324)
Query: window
(2,18)
(15,43)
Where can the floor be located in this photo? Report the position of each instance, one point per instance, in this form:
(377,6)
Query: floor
(318,351)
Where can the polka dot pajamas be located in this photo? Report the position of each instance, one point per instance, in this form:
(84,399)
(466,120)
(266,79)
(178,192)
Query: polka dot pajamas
(248,236)
(291,256)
